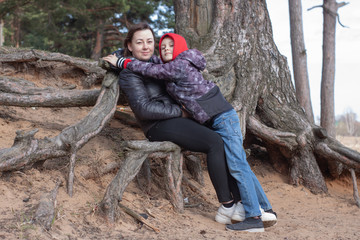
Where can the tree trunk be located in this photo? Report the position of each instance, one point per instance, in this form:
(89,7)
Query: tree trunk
(299,58)
(327,120)
(242,58)
(99,41)
(1,32)
(17,29)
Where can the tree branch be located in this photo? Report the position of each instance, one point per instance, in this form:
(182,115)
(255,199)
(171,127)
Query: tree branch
(138,217)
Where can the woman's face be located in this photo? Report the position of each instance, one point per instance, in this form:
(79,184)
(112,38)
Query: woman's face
(142,45)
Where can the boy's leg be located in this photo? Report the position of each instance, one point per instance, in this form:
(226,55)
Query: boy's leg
(263,200)
(228,126)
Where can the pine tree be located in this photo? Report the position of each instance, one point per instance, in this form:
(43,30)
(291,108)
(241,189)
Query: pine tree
(82,28)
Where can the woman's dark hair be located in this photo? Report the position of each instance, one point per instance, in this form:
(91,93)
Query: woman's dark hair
(132,30)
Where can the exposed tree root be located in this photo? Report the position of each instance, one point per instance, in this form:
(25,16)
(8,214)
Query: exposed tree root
(45,212)
(355,188)
(19,92)
(137,152)
(90,68)
(299,149)
(328,152)
(193,164)
(27,150)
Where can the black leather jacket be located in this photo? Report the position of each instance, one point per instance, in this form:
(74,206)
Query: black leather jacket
(148,99)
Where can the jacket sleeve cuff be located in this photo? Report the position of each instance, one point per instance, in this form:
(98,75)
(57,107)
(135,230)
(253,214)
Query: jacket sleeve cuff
(119,62)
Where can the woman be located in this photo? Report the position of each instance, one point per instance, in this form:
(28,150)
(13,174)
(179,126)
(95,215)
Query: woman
(161,119)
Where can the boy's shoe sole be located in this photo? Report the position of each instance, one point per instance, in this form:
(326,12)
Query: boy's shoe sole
(248,225)
(247,230)
(267,224)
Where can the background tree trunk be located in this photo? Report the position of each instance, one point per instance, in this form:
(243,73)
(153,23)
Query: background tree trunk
(327,118)
(99,41)
(328,68)
(299,58)
(17,28)
(1,32)
(350,121)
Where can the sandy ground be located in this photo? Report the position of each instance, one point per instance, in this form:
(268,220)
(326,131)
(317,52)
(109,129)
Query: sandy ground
(301,215)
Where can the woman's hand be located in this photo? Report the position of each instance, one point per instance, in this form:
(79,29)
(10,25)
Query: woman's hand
(120,62)
(112,59)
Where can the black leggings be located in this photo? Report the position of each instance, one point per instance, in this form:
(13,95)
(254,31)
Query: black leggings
(194,137)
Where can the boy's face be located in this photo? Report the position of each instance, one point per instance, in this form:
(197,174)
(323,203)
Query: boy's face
(167,48)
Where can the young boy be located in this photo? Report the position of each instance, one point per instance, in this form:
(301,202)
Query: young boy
(206,104)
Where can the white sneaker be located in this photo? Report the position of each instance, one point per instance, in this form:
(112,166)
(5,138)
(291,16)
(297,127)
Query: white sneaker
(269,219)
(224,214)
(239,213)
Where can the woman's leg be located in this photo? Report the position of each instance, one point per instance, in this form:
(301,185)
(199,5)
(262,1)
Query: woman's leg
(192,136)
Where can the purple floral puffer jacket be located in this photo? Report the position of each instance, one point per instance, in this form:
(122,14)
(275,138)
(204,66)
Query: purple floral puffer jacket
(185,83)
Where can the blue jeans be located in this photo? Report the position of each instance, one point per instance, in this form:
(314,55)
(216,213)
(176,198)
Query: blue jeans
(227,125)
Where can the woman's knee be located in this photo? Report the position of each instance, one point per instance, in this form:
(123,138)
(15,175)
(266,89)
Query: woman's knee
(215,142)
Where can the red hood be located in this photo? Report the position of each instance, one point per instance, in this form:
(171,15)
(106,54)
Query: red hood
(179,44)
